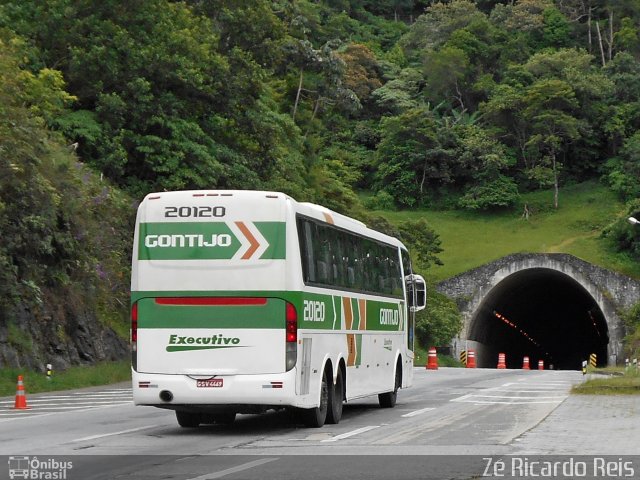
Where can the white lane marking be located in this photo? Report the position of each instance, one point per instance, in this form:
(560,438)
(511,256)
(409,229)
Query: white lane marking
(20,413)
(418,412)
(462,398)
(93,437)
(39,408)
(24,414)
(538,390)
(520,397)
(229,471)
(73,405)
(74,399)
(126,389)
(480,402)
(351,434)
(545,385)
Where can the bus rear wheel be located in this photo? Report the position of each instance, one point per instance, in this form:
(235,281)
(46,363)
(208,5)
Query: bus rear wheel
(315,417)
(334,413)
(188,419)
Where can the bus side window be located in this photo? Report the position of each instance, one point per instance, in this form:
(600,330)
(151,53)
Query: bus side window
(306,247)
(351,276)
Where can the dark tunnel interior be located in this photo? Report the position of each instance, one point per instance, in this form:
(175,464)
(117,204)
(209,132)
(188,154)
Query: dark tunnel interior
(543,314)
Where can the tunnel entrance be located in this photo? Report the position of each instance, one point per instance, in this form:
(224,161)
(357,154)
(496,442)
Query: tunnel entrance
(543,314)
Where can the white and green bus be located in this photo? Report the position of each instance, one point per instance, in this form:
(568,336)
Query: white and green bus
(245,301)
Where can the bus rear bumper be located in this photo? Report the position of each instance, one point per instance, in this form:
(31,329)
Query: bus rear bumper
(173,391)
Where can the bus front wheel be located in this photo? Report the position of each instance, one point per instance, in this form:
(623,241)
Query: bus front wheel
(388,399)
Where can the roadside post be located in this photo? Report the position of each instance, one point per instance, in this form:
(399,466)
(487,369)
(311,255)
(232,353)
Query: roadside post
(463,357)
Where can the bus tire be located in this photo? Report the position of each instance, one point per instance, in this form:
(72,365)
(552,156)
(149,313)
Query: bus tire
(188,419)
(315,417)
(334,413)
(388,399)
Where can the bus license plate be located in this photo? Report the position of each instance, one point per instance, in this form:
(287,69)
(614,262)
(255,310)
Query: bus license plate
(211,383)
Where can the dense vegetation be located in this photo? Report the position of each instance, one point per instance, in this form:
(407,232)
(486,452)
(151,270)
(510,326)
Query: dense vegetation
(356,104)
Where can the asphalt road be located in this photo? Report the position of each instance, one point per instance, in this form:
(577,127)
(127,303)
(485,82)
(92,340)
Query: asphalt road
(473,414)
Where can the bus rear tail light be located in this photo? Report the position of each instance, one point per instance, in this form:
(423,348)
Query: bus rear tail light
(134,336)
(292,323)
(291,335)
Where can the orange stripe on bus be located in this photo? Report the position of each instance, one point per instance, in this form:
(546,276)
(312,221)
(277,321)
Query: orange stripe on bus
(328,218)
(363,313)
(352,349)
(252,240)
(348,312)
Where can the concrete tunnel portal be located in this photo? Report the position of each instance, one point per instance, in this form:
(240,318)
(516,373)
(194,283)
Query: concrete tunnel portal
(543,314)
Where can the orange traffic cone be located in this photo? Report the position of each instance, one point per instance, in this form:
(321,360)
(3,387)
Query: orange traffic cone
(540,364)
(525,363)
(471,359)
(432,359)
(21,398)
(502,361)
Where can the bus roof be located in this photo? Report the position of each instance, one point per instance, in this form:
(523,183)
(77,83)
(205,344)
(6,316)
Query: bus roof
(306,208)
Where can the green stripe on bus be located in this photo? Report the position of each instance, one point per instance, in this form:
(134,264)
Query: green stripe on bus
(337,305)
(315,311)
(275,233)
(187,241)
(208,240)
(356,314)
(154,315)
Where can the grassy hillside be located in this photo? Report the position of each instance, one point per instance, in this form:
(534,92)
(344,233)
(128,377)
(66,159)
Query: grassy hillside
(472,239)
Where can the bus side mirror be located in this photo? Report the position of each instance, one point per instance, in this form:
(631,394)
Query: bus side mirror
(421,293)
(417,289)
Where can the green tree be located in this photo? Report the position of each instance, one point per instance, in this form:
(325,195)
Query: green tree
(547,110)
(624,170)
(487,162)
(53,210)
(549,104)
(446,71)
(556,30)
(362,74)
(626,237)
(170,102)
(410,156)
(439,22)
(440,322)
(401,93)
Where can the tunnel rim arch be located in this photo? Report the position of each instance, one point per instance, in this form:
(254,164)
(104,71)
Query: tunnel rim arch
(469,295)
(479,330)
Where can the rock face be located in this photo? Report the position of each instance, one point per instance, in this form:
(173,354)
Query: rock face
(58,331)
